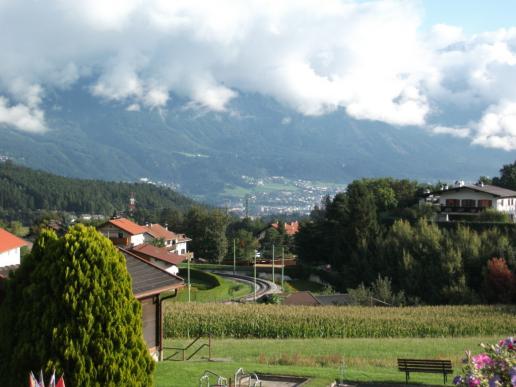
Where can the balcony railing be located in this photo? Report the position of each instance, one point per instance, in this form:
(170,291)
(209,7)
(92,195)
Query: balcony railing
(462,210)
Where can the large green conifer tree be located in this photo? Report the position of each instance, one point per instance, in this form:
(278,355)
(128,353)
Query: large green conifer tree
(70,307)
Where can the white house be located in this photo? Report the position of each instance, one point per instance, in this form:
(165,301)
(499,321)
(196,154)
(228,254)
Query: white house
(10,246)
(175,243)
(123,232)
(471,200)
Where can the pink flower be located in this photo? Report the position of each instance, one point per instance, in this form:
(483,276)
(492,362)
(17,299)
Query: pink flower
(482,360)
(473,382)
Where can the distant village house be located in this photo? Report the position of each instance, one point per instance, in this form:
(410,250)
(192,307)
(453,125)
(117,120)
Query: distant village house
(10,250)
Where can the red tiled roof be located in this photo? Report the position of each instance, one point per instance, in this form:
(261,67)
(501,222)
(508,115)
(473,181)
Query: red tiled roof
(290,228)
(9,241)
(128,226)
(158,231)
(159,253)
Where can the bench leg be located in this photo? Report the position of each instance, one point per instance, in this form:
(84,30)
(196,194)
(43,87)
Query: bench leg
(406,377)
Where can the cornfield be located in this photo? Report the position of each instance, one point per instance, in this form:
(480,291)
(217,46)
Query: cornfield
(277,321)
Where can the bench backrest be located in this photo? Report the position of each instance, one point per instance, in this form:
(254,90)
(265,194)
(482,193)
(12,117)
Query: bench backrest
(425,365)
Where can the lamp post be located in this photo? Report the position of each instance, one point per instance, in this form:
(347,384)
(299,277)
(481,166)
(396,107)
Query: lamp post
(282,265)
(188,277)
(255,277)
(273,279)
(234,256)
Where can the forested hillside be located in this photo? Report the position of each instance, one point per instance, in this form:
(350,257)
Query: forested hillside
(206,152)
(23,190)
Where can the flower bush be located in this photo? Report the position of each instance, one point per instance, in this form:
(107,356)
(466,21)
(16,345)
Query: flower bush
(496,366)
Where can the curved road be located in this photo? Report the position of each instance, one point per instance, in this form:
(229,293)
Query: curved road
(263,287)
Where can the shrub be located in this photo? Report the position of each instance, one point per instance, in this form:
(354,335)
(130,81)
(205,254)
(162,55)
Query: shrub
(496,366)
(70,307)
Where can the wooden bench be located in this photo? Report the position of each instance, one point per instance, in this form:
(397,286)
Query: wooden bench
(424,365)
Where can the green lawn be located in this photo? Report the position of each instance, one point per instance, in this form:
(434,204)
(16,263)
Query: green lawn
(319,359)
(204,292)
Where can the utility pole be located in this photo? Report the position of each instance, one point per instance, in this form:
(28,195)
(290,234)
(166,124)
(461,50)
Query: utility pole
(254,277)
(273,277)
(234,256)
(188,278)
(282,265)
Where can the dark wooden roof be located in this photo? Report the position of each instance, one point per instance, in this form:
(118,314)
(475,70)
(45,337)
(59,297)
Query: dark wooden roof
(149,279)
(486,188)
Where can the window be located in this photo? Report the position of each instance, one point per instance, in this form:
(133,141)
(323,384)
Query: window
(120,234)
(452,202)
(469,203)
(485,203)
(183,251)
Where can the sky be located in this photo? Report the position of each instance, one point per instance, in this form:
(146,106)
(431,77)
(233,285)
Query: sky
(474,16)
(447,67)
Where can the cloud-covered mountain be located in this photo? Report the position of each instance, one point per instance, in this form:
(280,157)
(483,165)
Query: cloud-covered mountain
(199,93)
(202,151)
(370,58)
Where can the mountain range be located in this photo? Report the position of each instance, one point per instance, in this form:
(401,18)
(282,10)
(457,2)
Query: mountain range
(203,152)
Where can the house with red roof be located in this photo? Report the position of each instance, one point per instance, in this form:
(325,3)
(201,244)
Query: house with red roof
(291,228)
(159,256)
(176,243)
(123,232)
(10,246)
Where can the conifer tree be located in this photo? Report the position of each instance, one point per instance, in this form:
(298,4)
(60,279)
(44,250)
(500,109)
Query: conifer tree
(70,307)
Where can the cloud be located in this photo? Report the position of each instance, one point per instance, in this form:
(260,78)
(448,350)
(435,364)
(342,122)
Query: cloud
(497,128)
(369,58)
(455,132)
(22,117)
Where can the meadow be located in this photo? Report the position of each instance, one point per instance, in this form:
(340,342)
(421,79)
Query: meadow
(322,360)
(209,287)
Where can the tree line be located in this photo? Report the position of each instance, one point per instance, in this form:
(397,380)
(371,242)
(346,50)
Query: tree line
(25,194)
(376,231)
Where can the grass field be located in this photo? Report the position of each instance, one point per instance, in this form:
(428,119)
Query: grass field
(207,287)
(319,359)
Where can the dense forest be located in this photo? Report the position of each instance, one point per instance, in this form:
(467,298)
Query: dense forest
(25,192)
(376,236)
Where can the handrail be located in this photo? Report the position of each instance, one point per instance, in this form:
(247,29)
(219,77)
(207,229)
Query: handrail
(240,374)
(188,346)
(221,380)
(197,350)
(183,350)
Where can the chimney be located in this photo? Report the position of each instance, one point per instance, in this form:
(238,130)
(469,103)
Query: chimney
(166,226)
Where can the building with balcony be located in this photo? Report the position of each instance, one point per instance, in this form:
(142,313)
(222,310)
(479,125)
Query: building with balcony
(173,242)
(471,200)
(123,232)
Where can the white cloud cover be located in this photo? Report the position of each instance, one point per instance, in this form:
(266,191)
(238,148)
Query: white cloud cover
(370,58)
